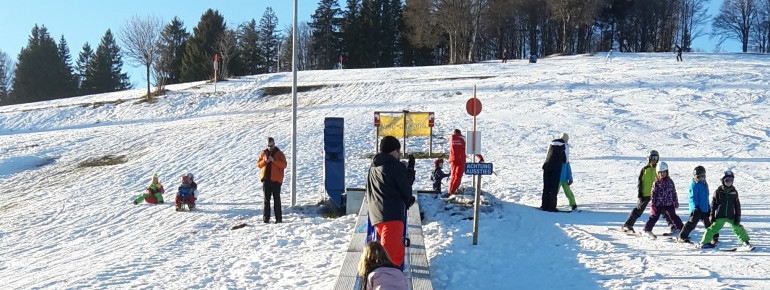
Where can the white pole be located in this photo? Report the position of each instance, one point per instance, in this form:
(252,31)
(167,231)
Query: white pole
(294,110)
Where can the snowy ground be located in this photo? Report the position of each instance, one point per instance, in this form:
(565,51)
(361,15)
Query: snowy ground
(63,226)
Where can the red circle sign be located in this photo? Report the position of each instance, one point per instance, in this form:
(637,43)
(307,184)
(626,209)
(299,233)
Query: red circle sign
(473,106)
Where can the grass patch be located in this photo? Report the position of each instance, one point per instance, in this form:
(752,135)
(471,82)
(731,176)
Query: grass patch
(103,161)
(99,104)
(274,91)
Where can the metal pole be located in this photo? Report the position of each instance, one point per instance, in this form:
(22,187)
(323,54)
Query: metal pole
(294,109)
(404,134)
(430,149)
(476,202)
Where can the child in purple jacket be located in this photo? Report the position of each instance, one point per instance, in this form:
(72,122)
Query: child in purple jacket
(664,202)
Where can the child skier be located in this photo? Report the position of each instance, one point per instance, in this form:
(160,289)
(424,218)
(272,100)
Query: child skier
(438,175)
(699,205)
(726,208)
(185,194)
(664,202)
(646,179)
(153,194)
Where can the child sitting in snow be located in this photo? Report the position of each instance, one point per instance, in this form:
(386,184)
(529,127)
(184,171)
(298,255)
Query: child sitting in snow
(726,208)
(438,174)
(378,271)
(664,202)
(153,193)
(186,193)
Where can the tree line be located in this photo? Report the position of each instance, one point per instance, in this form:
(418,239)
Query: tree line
(373,33)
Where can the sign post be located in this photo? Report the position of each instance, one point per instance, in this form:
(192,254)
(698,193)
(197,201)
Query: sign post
(216,69)
(473,106)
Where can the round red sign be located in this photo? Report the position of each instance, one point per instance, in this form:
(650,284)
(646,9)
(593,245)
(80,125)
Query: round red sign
(473,106)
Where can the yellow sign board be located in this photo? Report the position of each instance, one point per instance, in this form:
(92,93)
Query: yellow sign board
(416,125)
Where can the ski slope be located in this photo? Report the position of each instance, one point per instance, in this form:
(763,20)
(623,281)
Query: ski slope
(65,226)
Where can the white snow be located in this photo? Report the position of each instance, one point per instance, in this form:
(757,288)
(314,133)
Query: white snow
(62,226)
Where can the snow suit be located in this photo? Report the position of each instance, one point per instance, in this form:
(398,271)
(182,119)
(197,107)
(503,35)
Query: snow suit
(664,202)
(566,178)
(388,195)
(554,161)
(436,177)
(456,161)
(185,194)
(726,208)
(647,177)
(272,178)
(153,194)
(386,278)
(699,208)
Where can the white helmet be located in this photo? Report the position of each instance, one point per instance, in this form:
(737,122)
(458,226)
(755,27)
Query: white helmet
(662,167)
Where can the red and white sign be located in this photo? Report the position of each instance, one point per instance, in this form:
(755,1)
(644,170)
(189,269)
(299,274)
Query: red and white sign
(216,62)
(376,119)
(431,118)
(473,107)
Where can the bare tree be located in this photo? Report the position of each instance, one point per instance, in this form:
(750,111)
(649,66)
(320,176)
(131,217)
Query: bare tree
(225,47)
(454,18)
(140,42)
(6,77)
(693,16)
(734,21)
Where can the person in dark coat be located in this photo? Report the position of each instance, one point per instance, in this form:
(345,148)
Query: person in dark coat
(554,160)
(678,53)
(726,208)
(389,194)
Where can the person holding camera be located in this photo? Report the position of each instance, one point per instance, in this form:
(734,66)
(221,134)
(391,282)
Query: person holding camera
(272,162)
(389,194)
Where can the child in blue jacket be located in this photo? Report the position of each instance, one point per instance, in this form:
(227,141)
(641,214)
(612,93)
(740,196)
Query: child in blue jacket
(438,174)
(699,205)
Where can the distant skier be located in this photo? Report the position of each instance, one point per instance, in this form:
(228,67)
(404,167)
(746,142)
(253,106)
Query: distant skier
(699,205)
(506,56)
(272,162)
(389,194)
(647,177)
(554,161)
(438,175)
(678,53)
(664,202)
(153,194)
(185,194)
(609,56)
(533,58)
(456,160)
(726,208)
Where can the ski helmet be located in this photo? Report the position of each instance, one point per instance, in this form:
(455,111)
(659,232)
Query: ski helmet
(699,171)
(654,156)
(728,176)
(438,161)
(190,175)
(662,167)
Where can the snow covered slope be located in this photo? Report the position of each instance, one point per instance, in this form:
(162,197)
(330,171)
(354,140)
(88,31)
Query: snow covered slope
(66,226)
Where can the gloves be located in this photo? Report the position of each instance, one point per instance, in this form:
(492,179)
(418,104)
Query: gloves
(410,201)
(569,182)
(676,204)
(652,209)
(696,210)
(411,161)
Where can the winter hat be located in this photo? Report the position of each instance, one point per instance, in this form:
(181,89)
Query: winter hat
(155,175)
(699,171)
(438,161)
(270,139)
(728,175)
(662,167)
(457,131)
(389,144)
(565,137)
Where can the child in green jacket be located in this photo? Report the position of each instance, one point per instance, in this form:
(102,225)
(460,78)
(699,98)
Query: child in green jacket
(154,192)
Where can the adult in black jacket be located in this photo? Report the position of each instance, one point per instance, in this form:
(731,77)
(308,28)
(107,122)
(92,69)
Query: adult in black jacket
(389,194)
(552,172)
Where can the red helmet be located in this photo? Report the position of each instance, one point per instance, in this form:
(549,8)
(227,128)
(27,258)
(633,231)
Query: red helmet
(438,161)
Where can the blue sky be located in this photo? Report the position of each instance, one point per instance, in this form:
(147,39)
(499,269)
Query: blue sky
(82,21)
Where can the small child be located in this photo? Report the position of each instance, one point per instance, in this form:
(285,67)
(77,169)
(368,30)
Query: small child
(186,193)
(664,202)
(699,205)
(153,194)
(438,174)
(378,271)
(726,208)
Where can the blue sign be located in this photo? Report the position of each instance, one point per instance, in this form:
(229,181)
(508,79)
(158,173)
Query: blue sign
(478,168)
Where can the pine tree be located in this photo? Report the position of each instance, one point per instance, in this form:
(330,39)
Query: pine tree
(326,39)
(81,64)
(38,70)
(268,40)
(199,51)
(248,46)
(352,43)
(103,73)
(68,80)
(172,46)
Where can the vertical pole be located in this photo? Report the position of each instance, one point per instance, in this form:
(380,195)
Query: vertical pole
(430,148)
(294,109)
(404,134)
(476,202)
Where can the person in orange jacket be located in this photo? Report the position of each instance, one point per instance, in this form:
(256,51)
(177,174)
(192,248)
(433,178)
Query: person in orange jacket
(456,160)
(272,162)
